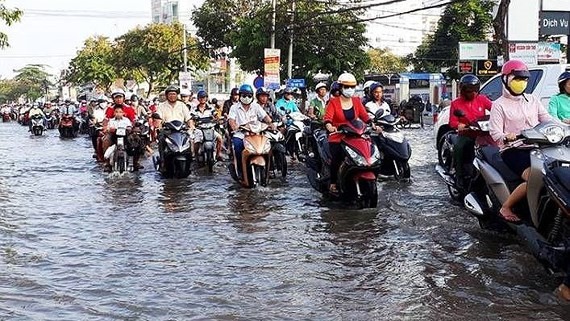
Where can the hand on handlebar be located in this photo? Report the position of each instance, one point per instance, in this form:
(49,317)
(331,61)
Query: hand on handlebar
(461,127)
(330,128)
(511,137)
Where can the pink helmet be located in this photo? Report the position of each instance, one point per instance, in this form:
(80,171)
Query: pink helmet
(516,68)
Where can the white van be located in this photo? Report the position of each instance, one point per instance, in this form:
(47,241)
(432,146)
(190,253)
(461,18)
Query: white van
(543,83)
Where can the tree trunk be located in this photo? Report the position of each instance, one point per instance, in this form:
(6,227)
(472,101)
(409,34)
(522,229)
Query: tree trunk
(499,27)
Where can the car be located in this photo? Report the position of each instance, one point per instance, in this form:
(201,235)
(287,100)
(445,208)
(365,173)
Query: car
(543,83)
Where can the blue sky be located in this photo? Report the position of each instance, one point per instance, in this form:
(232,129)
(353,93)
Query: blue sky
(51,32)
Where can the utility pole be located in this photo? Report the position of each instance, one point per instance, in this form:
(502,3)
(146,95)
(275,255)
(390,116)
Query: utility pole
(273,4)
(290,60)
(185,49)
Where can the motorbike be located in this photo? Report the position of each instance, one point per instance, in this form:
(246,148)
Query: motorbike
(294,133)
(6,117)
(67,126)
(545,219)
(143,130)
(456,187)
(175,150)
(83,121)
(207,144)
(358,173)
(278,151)
(117,153)
(255,158)
(394,148)
(37,125)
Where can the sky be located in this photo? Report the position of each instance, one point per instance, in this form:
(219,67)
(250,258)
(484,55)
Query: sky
(52,31)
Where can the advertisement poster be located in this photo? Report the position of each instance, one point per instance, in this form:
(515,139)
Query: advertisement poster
(526,52)
(271,64)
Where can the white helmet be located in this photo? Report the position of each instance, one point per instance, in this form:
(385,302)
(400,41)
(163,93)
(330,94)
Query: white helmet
(118,92)
(185,92)
(320,85)
(347,79)
(367,84)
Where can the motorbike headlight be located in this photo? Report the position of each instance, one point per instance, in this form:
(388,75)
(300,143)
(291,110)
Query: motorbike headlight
(355,156)
(186,144)
(375,155)
(398,137)
(554,134)
(266,147)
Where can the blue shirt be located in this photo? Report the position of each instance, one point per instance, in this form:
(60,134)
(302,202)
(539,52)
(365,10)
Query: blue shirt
(287,104)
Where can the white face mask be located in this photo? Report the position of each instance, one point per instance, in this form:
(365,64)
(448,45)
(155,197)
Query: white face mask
(348,92)
(246,100)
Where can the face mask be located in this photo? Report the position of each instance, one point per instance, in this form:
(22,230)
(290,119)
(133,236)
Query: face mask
(518,86)
(246,100)
(348,92)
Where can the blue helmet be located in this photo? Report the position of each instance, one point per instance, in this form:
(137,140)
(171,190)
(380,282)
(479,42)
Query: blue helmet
(374,86)
(245,89)
(335,88)
(202,94)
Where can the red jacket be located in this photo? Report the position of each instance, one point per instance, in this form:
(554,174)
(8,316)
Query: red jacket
(473,109)
(335,115)
(130,112)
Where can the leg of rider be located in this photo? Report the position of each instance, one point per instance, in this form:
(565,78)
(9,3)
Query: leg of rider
(336,161)
(564,288)
(238,149)
(218,146)
(518,194)
(460,151)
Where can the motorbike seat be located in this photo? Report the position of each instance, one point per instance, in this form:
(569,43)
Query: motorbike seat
(492,156)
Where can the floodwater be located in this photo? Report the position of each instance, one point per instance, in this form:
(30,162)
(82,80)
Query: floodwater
(78,244)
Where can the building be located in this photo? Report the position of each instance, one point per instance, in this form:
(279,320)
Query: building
(169,11)
(402,34)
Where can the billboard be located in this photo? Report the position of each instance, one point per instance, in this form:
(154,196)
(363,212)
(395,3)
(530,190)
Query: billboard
(526,52)
(521,25)
(271,63)
(473,51)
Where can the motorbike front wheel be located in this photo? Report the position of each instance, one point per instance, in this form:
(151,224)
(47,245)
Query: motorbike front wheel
(369,198)
(260,175)
(403,170)
(280,163)
(210,161)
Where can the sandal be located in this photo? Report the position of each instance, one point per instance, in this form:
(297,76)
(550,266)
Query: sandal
(509,216)
(333,189)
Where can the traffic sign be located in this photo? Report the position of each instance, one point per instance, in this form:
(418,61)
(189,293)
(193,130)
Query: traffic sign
(296,83)
(258,82)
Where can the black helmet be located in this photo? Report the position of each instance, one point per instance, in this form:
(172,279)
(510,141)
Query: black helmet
(172,88)
(469,82)
(565,76)
(235,91)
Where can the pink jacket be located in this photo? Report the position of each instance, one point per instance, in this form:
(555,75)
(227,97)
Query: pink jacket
(513,114)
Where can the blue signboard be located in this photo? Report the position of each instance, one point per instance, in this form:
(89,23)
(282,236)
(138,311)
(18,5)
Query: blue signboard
(258,82)
(296,83)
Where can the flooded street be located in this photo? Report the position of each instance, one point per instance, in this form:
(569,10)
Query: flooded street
(77,244)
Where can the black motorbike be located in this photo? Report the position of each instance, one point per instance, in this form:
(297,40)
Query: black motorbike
(175,152)
(394,147)
(207,144)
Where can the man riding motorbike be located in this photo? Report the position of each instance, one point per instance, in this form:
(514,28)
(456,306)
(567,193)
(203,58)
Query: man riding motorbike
(559,105)
(376,99)
(342,110)
(36,110)
(262,95)
(512,113)
(473,106)
(317,105)
(287,103)
(118,96)
(234,98)
(203,110)
(242,113)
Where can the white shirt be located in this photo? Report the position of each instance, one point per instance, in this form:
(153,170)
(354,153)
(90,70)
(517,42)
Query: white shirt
(169,113)
(374,108)
(117,123)
(255,113)
(208,112)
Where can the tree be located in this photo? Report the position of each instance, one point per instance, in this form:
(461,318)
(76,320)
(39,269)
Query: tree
(32,81)
(94,63)
(155,53)
(324,39)
(468,20)
(7,16)
(499,36)
(384,61)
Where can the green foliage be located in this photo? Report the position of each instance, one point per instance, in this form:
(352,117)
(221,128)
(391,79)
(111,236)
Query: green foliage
(31,82)
(384,61)
(468,20)
(330,42)
(94,63)
(7,16)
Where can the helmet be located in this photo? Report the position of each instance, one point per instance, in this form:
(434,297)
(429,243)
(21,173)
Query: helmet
(375,85)
(320,85)
(185,92)
(288,90)
(335,88)
(134,97)
(172,88)
(235,91)
(214,101)
(516,68)
(368,84)
(117,92)
(469,82)
(347,79)
(202,94)
(245,89)
(562,81)
(261,91)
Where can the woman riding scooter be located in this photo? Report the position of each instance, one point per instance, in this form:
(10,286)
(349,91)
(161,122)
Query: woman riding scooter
(559,105)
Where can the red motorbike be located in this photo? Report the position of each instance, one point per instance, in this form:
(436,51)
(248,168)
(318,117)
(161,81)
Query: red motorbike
(358,173)
(67,127)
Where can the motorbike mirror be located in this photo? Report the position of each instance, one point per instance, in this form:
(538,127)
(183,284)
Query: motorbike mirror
(458,113)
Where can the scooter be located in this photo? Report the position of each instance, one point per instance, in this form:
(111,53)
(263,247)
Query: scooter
(37,125)
(394,148)
(67,127)
(294,133)
(255,157)
(6,117)
(358,173)
(545,222)
(175,153)
(206,141)
(278,151)
(117,153)
(456,187)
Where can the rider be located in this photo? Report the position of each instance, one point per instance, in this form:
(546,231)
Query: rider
(286,103)
(262,95)
(512,113)
(242,113)
(36,110)
(335,89)
(317,105)
(559,105)
(367,92)
(203,110)
(97,116)
(376,100)
(116,122)
(118,96)
(234,98)
(473,106)
(342,110)
(185,96)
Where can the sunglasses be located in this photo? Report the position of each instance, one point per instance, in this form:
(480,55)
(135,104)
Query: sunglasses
(246,95)
(349,86)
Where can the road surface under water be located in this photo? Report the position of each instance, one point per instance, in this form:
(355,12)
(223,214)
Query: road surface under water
(77,244)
